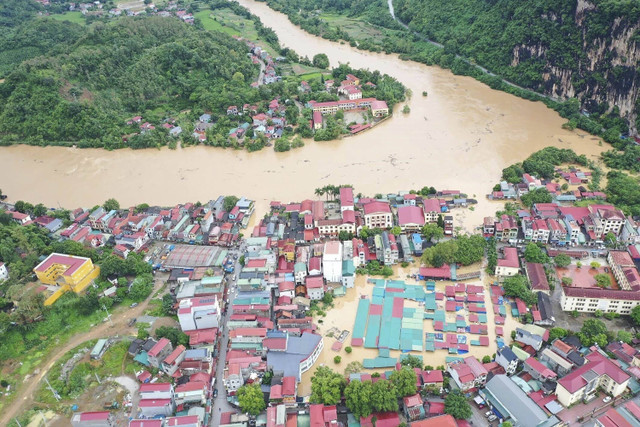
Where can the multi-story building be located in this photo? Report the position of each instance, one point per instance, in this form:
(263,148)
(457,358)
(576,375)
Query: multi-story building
(588,300)
(378,215)
(535,230)
(332,261)
(432,210)
(346,199)
(67,270)
(509,265)
(468,374)
(506,229)
(199,313)
(315,287)
(624,270)
(599,372)
(506,358)
(159,352)
(410,218)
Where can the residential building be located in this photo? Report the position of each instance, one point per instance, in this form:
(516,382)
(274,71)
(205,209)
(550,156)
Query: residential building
(192,393)
(315,287)
(378,215)
(432,210)
(379,108)
(531,335)
(509,264)
(537,277)
(332,261)
(468,374)
(599,372)
(413,407)
(538,371)
(556,362)
(506,358)
(346,199)
(156,391)
(152,408)
(625,352)
(4,272)
(199,313)
(172,362)
(348,273)
(509,402)
(159,352)
(535,230)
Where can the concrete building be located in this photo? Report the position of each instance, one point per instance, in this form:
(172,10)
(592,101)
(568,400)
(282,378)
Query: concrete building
(315,287)
(599,372)
(506,358)
(332,261)
(624,270)
(509,402)
(67,270)
(300,355)
(199,313)
(588,300)
(4,273)
(378,215)
(93,419)
(509,264)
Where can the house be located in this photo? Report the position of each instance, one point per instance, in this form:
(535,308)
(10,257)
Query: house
(432,378)
(159,352)
(199,313)
(156,391)
(531,335)
(4,272)
(556,362)
(151,408)
(346,198)
(317,120)
(468,374)
(625,352)
(506,358)
(232,110)
(348,273)
(509,264)
(315,287)
(184,421)
(599,372)
(509,402)
(538,371)
(544,315)
(93,419)
(413,407)
(172,362)
(438,421)
(378,215)
(332,261)
(21,218)
(537,277)
(192,392)
(410,218)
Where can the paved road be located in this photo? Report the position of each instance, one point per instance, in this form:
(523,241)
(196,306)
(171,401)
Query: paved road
(221,404)
(120,318)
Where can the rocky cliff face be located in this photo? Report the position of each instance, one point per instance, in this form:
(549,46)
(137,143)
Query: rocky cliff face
(608,69)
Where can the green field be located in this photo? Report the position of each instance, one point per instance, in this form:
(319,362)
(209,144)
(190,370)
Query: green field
(356,28)
(75,17)
(226,21)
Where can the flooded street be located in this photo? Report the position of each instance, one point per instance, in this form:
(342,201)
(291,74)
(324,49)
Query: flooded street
(459,137)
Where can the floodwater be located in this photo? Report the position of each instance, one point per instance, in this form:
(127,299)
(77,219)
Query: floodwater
(342,317)
(458,137)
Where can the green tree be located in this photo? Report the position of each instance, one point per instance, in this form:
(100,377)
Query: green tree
(251,399)
(384,396)
(168,304)
(396,231)
(635,314)
(141,287)
(432,232)
(518,287)
(470,249)
(175,335)
(337,360)
(595,265)
(593,331)
(625,337)
(603,280)
(562,260)
(533,253)
(567,281)
(404,381)
(557,332)
(358,398)
(539,195)
(111,204)
(321,60)
(456,405)
(229,203)
(411,361)
(326,386)
(486,359)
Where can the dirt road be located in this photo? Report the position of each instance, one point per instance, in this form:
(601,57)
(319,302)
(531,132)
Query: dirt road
(120,318)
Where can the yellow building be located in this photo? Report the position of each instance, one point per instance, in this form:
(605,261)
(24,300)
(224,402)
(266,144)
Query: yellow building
(69,272)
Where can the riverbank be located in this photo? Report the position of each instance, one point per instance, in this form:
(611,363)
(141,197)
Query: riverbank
(461,136)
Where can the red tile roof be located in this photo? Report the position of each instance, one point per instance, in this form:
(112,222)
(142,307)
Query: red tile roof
(94,416)
(441,421)
(346,196)
(73,263)
(510,258)
(146,388)
(377,207)
(174,355)
(597,363)
(410,215)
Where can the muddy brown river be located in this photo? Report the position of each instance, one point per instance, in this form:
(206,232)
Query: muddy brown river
(459,137)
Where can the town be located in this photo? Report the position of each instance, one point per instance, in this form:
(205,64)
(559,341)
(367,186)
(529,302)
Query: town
(255,299)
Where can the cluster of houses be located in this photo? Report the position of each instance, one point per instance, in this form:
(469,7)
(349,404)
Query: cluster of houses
(574,178)
(130,230)
(535,382)
(260,56)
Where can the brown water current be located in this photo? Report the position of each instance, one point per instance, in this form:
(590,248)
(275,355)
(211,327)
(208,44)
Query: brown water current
(459,137)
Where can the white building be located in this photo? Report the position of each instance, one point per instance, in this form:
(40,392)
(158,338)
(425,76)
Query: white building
(378,215)
(199,313)
(4,273)
(332,261)
(588,300)
(315,287)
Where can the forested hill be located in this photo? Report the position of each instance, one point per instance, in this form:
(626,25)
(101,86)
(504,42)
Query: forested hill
(150,65)
(589,49)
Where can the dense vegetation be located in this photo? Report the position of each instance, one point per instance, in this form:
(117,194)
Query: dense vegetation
(474,32)
(153,66)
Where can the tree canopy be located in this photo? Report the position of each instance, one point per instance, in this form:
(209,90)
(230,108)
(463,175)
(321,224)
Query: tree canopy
(456,404)
(251,399)
(518,287)
(326,386)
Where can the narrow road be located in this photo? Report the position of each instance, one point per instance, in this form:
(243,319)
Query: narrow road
(120,319)
(479,67)
(221,404)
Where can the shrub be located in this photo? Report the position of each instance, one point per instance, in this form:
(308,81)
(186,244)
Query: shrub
(337,359)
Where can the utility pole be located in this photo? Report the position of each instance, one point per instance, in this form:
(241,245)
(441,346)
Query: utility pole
(108,315)
(97,377)
(55,393)
(17,422)
(44,419)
